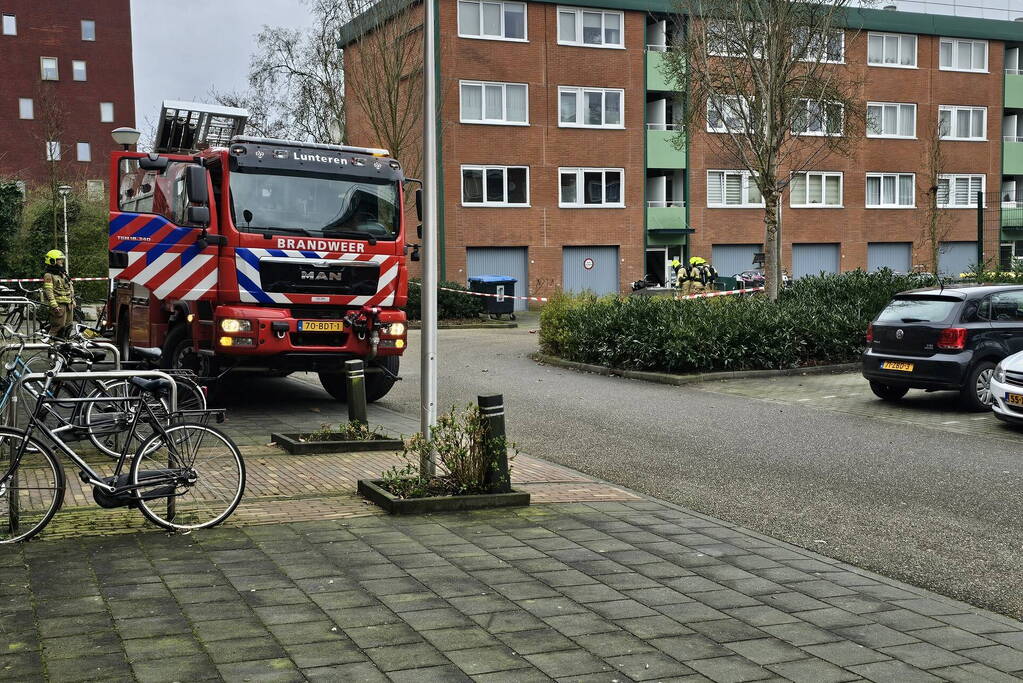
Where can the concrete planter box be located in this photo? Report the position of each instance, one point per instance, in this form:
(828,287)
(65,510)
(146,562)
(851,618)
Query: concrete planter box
(372,489)
(292,444)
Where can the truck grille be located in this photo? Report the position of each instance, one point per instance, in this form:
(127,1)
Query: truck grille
(293,276)
(318,312)
(318,338)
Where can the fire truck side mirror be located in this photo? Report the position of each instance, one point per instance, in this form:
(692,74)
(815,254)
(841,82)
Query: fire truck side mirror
(198,215)
(419,207)
(195,187)
(153,162)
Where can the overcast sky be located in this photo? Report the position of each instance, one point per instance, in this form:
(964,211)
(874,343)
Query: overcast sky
(185,47)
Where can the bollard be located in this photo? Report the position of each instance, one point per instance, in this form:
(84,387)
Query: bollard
(356,375)
(494,446)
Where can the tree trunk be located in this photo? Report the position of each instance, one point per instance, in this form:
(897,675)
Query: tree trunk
(772,248)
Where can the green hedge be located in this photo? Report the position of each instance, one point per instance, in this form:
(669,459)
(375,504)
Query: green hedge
(450,305)
(818,320)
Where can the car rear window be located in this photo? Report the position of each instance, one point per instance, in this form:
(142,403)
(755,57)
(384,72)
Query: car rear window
(929,309)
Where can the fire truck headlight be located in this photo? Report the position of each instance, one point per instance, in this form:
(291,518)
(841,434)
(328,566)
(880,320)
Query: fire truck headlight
(395,329)
(237,341)
(230,325)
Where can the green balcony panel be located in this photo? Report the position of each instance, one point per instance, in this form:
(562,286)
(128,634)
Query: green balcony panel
(666,218)
(655,78)
(1012,158)
(1012,218)
(661,153)
(1013,90)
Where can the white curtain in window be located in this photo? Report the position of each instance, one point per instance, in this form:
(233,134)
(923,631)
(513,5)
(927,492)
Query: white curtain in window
(890,122)
(491,19)
(979,49)
(875,49)
(566,27)
(612,108)
(907,120)
(977,123)
(472,102)
(715,193)
(962,123)
(612,29)
(516,96)
(753,192)
(568,107)
(592,27)
(945,54)
(797,189)
(945,122)
(814,189)
(833,190)
(908,50)
(873,191)
(469,18)
(906,190)
(964,50)
(891,49)
(494,102)
(888,189)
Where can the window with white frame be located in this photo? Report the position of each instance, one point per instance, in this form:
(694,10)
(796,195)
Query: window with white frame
(492,20)
(816,117)
(83,151)
(78,70)
(957,191)
(26,108)
(590,107)
(962,123)
(816,189)
(53,150)
(494,103)
(891,190)
(733,189)
(733,39)
(495,186)
(106,112)
(819,46)
(48,67)
(891,120)
(590,27)
(95,189)
(88,29)
(891,49)
(727,113)
(10,25)
(580,188)
(955,54)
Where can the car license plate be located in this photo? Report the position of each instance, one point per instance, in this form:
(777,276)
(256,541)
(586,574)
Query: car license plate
(321,326)
(1014,399)
(895,365)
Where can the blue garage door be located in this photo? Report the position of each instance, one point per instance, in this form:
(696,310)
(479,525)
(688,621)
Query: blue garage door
(593,269)
(511,261)
(731,259)
(814,259)
(898,256)
(956,257)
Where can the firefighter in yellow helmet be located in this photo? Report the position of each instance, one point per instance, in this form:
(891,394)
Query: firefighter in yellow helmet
(698,276)
(58,293)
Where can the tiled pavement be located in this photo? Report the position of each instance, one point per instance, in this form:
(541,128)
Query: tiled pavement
(607,591)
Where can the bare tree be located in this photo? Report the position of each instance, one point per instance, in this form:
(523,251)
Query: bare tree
(937,223)
(761,74)
(296,88)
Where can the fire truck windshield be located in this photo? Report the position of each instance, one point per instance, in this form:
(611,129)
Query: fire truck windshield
(314,205)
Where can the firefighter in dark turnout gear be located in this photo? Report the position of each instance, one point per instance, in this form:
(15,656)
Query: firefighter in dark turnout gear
(58,293)
(697,277)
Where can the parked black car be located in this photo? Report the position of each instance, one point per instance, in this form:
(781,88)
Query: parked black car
(944,339)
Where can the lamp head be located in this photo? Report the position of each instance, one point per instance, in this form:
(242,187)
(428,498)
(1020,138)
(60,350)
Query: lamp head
(125,136)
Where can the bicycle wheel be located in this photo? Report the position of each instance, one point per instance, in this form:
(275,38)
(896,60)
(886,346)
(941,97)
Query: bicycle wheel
(209,477)
(31,493)
(107,421)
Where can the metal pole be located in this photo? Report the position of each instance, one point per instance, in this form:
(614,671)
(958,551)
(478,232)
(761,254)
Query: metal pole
(428,372)
(67,262)
(355,374)
(980,234)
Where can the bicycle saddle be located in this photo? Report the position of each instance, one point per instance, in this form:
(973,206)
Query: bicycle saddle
(156,386)
(94,355)
(147,353)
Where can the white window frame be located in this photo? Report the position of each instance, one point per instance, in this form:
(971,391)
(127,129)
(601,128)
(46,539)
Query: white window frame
(489,204)
(718,26)
(955,109)
(578,13)
(841,34)
(747,181)
(56,69)
(9,20)
(954,42)
(806,190)
(74,70)
(742,103)
(53,150)
(79,148)
(93,23)
(29,104)
(822,133)
(483,104)
(104,119)
(900,105)
(898,64)
(580,99)
(481,35)
(897,185)
(95,189)
(951,178)
(580,176)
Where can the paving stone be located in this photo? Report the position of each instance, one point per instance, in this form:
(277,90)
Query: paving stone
(612,643)
(549,607)
(929,606)
(506,622)
(100,667)
(812,670)
(761,616)
(315,655)
(215,610)
(686,648)
(951,638)
(532,642)
(593,592)
(655,597)
(875,635)
(383,634)
(845,653)
(893,671)
(398,657)
(568,663)
(362,616)
(727,630)
(580,624)
(648,666)
(530,675)
(730,669)
(997,657)
(81,646)
(628,580)
(904,620)
(481,604)
(272,669)
(971,673)
(565,577)
(458,638)
(690,612)
(438,674)
(924,655)
(766,651)
(243,649)
(306,632)
(653,627)
(171,669)
(24,666)
(832,618)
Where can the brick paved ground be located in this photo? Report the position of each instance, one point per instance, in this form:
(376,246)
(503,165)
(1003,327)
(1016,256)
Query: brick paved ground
(576,592)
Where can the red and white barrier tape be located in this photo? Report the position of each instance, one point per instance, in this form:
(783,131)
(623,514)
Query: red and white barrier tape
(493,296)
(39,279)
(704,295)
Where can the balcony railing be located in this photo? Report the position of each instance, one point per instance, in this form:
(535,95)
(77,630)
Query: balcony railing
(664,126)
(1012,205)
(657,48)
(658,204)
(1012,138)
(1011,72)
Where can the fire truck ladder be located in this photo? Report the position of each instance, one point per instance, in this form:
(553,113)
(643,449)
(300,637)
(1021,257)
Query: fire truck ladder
(187,127)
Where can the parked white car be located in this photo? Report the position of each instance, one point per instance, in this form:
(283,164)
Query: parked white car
(1007,389)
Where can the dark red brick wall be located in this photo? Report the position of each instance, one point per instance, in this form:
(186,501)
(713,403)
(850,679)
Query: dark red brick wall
(52,28)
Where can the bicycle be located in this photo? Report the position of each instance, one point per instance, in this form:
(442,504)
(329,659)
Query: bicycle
(183,477)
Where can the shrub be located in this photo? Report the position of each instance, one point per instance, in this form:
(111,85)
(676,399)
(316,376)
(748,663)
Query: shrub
(818,320)
(450,305)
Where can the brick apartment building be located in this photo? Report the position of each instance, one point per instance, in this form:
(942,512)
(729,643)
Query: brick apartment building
(559,164)
(67,82)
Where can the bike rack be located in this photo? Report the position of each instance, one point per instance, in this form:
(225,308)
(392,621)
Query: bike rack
(105,374)
(25,302)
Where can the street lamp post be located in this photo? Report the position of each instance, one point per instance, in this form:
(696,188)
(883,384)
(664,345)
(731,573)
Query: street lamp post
(428,368)
(125,136)
(64,190)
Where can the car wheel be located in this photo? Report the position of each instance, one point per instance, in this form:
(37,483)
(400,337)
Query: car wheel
(888,392)
(976,394)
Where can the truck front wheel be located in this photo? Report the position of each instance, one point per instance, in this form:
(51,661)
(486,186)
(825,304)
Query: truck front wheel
(377,383)
(178,351)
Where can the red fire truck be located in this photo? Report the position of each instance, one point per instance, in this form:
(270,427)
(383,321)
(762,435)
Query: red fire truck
(229,251)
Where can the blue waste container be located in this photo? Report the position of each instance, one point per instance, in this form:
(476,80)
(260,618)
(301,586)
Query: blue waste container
(502,287)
